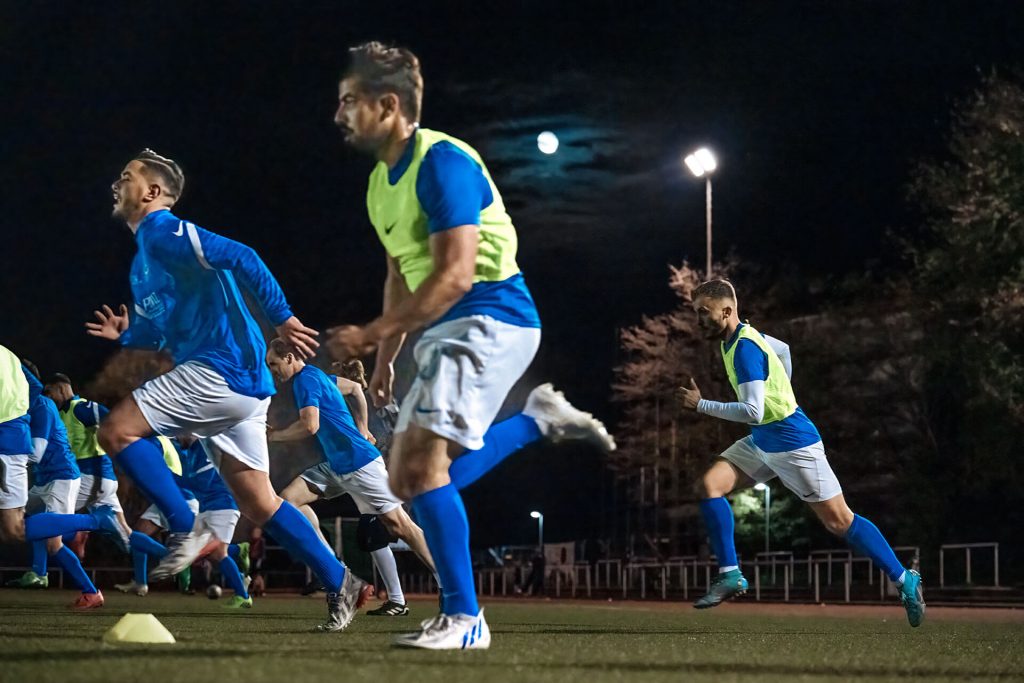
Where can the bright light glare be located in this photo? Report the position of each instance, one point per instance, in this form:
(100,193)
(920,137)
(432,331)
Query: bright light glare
(706,159)
(536,515)
(701,162)
(760,487)
(694,165)
(547,142)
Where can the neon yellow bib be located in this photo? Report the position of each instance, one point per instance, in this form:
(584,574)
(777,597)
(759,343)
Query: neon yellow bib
(171,456)
(779,399)
(81,438)
(401,223)
(13,386)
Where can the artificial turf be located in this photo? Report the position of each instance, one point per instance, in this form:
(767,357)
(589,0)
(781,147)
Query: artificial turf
(41,641)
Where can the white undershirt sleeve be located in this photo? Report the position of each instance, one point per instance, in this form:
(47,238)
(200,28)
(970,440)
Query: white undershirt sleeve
(38,448)
(748,410)
(781,350)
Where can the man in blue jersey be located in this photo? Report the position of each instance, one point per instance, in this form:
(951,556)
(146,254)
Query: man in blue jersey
(783,443)
(20,390)
(56,480)
(81,419)
(187,287)
(351,465)
(451,261)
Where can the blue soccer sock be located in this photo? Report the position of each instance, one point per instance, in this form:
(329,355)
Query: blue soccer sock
(49,524)
(147,544)
(446,528)
(39,556)
(865,538)
(291,529)
(233,577)
(140,567)
(501,440)
(144,462)
(718,518)
(233,551)
(68,561)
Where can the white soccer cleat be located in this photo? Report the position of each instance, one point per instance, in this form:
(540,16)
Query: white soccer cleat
(450,632)
(342,606)
(559,420)
(133,586)
(183,548)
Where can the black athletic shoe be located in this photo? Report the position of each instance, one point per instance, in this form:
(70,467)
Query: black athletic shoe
(390,609)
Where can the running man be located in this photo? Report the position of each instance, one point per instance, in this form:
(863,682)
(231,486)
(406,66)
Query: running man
(19,390)
(783,442)
(56,479)
(351,464)
(451,260)
(187,285)
(81,420)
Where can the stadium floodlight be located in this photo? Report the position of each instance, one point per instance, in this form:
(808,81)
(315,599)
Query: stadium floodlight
(547,142)
(702,163)
(539,516)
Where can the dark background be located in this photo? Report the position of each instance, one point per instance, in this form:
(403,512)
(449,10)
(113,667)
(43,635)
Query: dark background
(817,111)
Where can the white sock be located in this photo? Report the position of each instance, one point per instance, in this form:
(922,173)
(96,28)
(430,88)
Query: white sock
(903,576)
(385,561)
(722,570)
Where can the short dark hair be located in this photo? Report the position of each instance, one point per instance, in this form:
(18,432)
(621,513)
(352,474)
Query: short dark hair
(716,289)
(168,170)
(58,378)
(382,69)
(31,367)
(280,348)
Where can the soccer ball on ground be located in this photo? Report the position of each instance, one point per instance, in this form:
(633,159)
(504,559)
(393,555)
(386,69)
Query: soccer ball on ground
(213,591)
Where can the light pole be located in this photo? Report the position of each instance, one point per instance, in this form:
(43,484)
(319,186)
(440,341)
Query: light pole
(540,528)
(702,164)
(767,511)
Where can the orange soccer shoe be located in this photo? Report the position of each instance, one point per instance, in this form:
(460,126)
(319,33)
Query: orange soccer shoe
(88,601)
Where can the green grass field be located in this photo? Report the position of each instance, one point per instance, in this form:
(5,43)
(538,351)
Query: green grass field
(41,641)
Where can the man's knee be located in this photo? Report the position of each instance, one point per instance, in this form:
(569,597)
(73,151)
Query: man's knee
(258,508)
(837,522)
(711,485)
(12,530)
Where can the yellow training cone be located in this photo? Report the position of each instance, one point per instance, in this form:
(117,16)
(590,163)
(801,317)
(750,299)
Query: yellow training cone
(138,628)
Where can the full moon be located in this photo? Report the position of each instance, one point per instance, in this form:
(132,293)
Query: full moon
(547,142)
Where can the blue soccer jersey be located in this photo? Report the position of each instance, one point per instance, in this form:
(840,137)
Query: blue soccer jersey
(186,283)
(452,189)
(199,476)
(344,448)
(788,434)
(58,461)
(16,434)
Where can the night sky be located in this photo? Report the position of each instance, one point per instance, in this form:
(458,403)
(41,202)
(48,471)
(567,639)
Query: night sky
(817,111)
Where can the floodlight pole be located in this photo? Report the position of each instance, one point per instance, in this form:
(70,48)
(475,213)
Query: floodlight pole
(708,183)
(767,516)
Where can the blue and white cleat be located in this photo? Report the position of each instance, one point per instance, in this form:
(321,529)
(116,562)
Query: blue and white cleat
(450,632)
(108,523)
(912,597)
(559,420)
(182,550)
(724,586)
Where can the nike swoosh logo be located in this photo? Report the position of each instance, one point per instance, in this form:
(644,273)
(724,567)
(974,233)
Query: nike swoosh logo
(180,231)
(387,230)
(424,410)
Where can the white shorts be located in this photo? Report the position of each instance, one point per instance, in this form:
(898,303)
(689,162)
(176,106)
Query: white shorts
(59,496)
(465,370)
(368,486)
(221,523)
(194,399)
(13,481)
(96,491)
(153,514)
(805,471)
